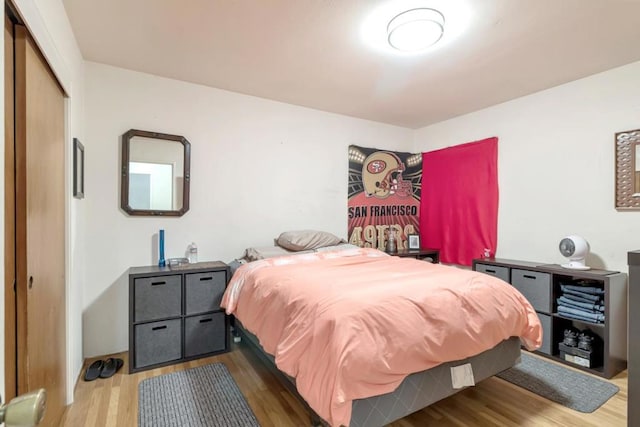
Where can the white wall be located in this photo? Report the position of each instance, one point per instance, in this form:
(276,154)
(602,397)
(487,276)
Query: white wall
(556,166)
(48,24)
(258,168)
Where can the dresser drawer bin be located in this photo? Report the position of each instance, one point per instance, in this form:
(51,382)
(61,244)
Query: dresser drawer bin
(157,298)
(158,342)
(203,291)
(204,334)
(545,320)
(535,286)
(494,270)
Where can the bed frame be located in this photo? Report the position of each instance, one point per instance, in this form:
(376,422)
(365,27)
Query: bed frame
(416,392)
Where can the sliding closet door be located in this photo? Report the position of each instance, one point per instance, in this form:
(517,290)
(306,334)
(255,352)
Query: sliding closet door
(40,227)
(10,385)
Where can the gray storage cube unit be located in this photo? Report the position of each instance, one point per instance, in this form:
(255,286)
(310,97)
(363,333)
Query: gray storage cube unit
(204,334)
(175,314)
(633,392)
(540,284)
(158,342)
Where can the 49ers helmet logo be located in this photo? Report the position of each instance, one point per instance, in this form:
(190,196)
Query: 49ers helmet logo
(382,176)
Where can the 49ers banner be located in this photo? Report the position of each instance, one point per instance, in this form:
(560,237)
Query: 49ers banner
(384,193)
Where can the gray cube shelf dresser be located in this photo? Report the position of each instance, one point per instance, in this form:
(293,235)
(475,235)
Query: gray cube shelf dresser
(175,314)
(541,284)
(633,393)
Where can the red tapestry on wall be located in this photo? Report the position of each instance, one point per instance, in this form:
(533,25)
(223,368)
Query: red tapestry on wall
(384,192)
(459,209)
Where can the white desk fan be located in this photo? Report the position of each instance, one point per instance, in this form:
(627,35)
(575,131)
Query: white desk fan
(576,249)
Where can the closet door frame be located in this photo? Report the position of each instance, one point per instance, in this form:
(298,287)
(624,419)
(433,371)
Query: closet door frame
(36,229)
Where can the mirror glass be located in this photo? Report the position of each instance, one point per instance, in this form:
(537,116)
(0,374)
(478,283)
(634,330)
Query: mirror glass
(155,173)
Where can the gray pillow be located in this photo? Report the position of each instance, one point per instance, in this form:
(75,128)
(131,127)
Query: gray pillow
(307,239)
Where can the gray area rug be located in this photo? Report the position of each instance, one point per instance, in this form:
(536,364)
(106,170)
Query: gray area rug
(581,392)
(206,396)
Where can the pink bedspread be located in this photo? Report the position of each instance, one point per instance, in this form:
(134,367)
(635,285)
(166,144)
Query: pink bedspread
(354,323)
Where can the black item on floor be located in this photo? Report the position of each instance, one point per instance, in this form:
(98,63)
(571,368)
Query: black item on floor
(111,366)
(94,370)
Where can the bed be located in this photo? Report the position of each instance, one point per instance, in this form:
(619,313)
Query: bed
(365,338)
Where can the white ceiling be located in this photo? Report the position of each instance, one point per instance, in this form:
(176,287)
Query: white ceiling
(311,52)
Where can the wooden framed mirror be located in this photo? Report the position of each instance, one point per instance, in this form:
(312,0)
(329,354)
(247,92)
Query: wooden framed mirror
(155,173)
(628,170)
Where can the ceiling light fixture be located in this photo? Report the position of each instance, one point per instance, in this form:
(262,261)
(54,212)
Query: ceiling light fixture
(415,29)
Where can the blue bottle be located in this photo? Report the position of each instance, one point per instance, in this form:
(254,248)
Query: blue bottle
(161,260)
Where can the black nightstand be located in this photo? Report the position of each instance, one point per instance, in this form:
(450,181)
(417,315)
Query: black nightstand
(422,253)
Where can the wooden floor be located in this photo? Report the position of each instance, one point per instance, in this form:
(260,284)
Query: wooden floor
(494,402)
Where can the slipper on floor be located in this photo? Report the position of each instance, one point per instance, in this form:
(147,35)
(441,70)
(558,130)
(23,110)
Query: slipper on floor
(94,370)
(111,366)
